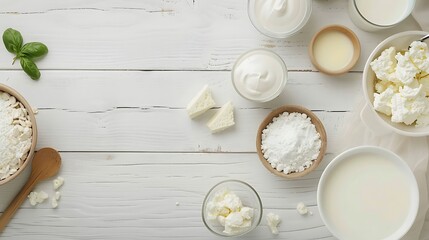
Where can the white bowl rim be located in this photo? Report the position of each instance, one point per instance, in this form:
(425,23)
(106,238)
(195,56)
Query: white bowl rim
(278,35)
(365,82)
(415,195)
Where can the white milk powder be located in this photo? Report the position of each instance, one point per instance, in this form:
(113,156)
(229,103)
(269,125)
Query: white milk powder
(291,143)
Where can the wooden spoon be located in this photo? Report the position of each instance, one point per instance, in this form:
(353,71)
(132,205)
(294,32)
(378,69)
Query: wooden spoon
(46,163)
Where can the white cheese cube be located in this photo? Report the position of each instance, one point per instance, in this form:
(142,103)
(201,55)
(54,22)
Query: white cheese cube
(202,102)
(223,119)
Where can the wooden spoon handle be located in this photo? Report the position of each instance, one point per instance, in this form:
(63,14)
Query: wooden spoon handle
(17,201)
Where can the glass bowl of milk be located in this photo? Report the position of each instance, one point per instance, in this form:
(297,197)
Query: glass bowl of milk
(259,75)
(279,18)
(368,193)
(232,208)
(373,15)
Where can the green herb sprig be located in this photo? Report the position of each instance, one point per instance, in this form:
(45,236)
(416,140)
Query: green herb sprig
(26,53)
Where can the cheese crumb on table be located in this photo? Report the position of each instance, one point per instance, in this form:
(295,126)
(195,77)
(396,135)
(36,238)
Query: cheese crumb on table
(202,102)
(273,220)
(55,198)
(54,202)
(302,209)
(37,197)
(58,182)
(223,119)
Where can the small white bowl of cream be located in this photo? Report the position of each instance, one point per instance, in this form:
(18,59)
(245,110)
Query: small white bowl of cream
(259,75)
(334,49)
(369,193)
(279,18)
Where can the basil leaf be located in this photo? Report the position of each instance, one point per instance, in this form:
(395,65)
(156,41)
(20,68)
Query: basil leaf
(34,49)
(12,40)
(30,68)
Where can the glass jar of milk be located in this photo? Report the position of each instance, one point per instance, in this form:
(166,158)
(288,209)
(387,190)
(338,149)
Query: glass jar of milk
(279,18)
(374,15)
(259,75)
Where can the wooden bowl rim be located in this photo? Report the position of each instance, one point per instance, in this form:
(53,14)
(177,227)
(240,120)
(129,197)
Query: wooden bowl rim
(314,120)
(356,46)
(27,106)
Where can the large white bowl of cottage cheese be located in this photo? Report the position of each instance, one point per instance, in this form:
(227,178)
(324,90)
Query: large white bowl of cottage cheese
(17,143)
(400,42)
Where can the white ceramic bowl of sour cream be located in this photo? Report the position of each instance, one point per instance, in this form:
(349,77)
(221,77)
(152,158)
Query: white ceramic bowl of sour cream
(400,41)
(259,75)
(368,193)
(279,18)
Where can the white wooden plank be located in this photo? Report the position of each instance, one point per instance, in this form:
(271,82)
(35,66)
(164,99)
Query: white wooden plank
(175,34)
(145,111)
(93,91)
(155,129)
(133,196)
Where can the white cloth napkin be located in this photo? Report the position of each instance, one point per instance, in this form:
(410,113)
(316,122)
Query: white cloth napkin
(415,151)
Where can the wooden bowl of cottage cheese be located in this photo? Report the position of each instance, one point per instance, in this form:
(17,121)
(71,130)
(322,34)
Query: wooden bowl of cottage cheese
(18,138)
(395,99)
(291,141)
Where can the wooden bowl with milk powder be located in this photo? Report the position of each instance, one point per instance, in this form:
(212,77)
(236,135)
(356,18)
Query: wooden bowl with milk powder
(10,186)
(293,140)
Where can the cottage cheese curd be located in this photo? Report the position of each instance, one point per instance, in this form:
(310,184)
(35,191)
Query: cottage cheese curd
(273,220)
(227,208)
(15,135)
(402,85)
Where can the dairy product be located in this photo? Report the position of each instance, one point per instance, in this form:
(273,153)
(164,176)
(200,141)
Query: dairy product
(58,182)
(259,75)
(383,12)
(402,84)
(366,196)
(15,135)
(302,208)
(384,66)
(54,202)
(227,209)
(291,143)
(223,119)
(37,197)
(373,15)
(273,220)
(54,199)
(333,50)
(279,18)
(405,69)
(202,102)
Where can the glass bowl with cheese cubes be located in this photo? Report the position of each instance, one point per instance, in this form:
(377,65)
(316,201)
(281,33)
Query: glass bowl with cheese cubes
(396,85)
(232,208)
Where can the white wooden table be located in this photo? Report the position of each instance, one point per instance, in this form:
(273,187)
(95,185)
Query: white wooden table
(112,100)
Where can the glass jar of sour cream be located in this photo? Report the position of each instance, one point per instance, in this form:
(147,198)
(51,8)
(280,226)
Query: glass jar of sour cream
(259,75)
(279,18)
